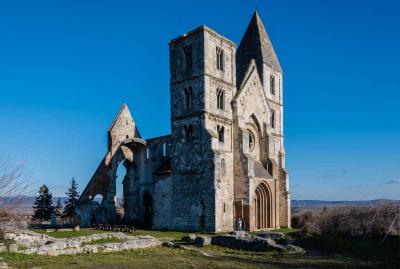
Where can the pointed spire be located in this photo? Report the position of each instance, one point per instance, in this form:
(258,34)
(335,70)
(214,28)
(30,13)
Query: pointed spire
(256,45)
(127,120)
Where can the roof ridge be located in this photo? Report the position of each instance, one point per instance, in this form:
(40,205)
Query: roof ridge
(123,107)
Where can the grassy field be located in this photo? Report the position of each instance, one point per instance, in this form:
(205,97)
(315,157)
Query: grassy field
(325,252)
(178,258)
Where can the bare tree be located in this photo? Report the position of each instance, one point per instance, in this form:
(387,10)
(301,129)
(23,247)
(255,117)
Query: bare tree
(14,183)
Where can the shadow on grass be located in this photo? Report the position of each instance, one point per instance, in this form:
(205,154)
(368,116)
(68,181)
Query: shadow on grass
(371,250)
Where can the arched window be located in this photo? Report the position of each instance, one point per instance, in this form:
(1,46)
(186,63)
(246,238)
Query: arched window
(188,98)
(221,134)
(220,58)
(164,149)
(147,153)
(188,56)
(252,141)
(189,133)
(220,99)
(270,168)
(272,120)
(272,84)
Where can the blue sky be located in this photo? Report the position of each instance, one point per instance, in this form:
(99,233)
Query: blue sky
(66,67)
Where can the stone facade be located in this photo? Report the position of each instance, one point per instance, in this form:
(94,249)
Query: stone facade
(224,159)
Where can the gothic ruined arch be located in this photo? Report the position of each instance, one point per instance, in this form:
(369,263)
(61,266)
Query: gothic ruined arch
(263,206)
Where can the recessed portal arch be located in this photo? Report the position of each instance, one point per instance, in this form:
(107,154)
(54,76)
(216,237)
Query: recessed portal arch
(263,206)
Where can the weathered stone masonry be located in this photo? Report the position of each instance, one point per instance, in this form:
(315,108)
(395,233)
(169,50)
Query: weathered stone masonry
(225,157)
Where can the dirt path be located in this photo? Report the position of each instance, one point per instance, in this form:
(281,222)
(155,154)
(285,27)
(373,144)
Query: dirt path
(213,255)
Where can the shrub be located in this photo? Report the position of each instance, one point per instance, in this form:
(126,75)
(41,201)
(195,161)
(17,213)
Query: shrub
(373,221)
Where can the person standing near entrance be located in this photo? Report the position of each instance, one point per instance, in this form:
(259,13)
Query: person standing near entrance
(240,224)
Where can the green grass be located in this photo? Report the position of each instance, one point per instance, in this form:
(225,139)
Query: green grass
(22,247)
(177,258)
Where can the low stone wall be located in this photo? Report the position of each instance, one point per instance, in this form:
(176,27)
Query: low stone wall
(28,242)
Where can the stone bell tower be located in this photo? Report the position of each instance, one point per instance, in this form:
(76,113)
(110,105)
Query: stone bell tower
(203,80)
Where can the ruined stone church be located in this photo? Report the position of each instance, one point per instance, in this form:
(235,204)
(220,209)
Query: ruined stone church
(224,158)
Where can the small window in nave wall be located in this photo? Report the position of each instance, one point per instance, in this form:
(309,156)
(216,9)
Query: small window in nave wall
(272,84)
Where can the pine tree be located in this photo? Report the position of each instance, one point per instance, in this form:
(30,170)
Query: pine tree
(43,205)
(70,204)
(58,210)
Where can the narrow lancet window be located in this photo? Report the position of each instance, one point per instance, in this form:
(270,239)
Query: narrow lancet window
(272,120)
(272,85)
(220,99)
(221,133)
(220,58)
(188,56)
(147,153)
(189,133)
(164,153)
(188,99)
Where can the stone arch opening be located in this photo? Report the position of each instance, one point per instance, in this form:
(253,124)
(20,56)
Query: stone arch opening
(98,199)
(119,198)
(263,206)
(147,209)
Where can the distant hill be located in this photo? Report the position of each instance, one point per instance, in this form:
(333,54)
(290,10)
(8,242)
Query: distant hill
(23,204)
(322,203)
(304,205)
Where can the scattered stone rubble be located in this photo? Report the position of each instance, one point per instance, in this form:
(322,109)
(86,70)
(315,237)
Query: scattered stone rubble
(28,242)
(202,241)
(245,241)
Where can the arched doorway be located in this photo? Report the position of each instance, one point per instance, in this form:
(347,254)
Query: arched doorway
(98,213)
(119,199)
(147,210)
(263,207)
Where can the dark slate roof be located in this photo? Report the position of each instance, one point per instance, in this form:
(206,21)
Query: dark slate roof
(256,45)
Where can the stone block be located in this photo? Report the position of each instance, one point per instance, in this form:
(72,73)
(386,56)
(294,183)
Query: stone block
(190,238)
(13,248)
(292,249)
(252,243)
(202,241)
